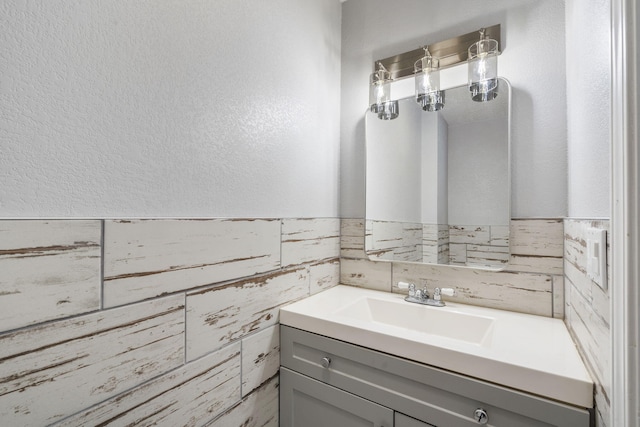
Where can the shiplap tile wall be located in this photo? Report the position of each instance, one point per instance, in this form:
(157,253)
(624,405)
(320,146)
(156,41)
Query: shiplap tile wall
(587,312)
(463,245)
(435,243)
(479,245)
(151,322)
(393,240)
(531,283)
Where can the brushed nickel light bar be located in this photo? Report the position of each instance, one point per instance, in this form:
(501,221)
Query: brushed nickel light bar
(449,52)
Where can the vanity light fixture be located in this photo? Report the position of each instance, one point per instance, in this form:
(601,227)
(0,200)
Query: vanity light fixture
(424,65)
(380,95)
(427,78)
(483,68)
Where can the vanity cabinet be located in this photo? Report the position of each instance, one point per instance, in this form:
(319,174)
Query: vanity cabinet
(325,382)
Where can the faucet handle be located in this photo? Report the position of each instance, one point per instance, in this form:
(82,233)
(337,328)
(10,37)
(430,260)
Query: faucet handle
(438,292)
(410,286)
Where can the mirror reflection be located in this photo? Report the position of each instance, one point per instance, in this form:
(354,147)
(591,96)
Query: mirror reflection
(438,183)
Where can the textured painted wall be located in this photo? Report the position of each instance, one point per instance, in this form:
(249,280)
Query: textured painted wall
(533,61)
(173,108)
(589,107)
(394,153)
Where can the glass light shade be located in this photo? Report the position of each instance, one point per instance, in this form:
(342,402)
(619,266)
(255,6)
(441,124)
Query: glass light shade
(427,80)
(483,70)
(379,89)
(380,96)
(388,110)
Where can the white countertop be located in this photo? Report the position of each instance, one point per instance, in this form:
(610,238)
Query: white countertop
(525,352)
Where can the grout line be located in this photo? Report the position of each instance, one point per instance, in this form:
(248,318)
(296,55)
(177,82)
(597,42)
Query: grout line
(241,365)
(102,240)
(553,298)
(280,256)
(185,329)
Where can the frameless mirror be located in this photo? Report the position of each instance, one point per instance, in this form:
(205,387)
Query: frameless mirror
(438,184)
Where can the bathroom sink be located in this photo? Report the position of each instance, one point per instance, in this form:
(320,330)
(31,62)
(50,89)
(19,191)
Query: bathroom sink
(421,319)
(530,353)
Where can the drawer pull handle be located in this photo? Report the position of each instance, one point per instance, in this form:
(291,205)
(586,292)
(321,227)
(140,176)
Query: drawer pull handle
(326,362)
(481,416)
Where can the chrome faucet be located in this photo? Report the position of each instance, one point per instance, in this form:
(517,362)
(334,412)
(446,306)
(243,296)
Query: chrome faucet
(421,296)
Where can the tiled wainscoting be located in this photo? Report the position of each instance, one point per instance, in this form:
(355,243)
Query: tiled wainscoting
(587,311)
(532,282)
(138,322)
(463,245)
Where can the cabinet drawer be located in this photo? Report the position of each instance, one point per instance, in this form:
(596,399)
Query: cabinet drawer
(423,392)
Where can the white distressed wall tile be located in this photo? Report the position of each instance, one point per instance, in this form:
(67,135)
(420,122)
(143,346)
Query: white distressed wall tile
(430,254)
(372,246)
(260,358)
(430,233)
(470,234)
(457,254)
(219,315)
(191,395)
(308,240)
(259,409)
(394,240)
(324,275)
(435,243)
(536,264)
(500,235)
(352,238)
(536,246)
(587,313)
(49,270)
(521,292)
(576,274)
(487,256)
(594,339)
(430,239)
(366,274)
(537,237)
(54,370)
(600,303)
(148,258)
(443,254)
(558,297)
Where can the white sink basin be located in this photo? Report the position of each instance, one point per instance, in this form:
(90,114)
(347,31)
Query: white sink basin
(423,319)
(525,352)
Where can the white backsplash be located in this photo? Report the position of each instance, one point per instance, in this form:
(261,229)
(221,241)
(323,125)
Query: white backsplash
(524,286)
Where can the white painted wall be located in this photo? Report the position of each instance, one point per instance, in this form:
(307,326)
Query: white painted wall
(533,61)
(175,108)
(395,147)
(475,166)
(434,169)
(588,107)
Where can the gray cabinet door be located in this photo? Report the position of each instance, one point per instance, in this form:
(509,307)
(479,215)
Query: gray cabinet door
(404,421)
(305,402)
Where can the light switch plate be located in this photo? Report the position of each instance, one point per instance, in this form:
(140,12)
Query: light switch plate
(597,256)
